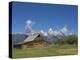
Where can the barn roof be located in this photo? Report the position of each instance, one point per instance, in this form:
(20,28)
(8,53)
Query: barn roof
(28,39)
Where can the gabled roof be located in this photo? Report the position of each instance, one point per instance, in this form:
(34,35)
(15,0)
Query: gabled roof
(29,39)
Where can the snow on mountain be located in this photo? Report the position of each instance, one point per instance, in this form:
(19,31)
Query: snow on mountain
(52,35)
(50,32)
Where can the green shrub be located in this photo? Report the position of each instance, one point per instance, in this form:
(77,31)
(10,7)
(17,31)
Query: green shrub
(71,39)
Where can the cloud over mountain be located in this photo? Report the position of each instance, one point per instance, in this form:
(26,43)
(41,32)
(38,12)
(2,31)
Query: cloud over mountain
(50,34)
(28,26)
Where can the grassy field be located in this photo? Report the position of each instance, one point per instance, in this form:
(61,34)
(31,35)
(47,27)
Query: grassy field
(51,50)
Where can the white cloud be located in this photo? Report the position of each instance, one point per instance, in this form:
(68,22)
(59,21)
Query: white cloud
(29,25)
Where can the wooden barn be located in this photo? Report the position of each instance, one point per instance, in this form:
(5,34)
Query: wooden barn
(34,40)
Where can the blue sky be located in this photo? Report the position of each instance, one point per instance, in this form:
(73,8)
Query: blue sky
(45,16)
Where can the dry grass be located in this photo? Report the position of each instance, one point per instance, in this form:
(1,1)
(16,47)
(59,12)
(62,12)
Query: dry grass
(51,50)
